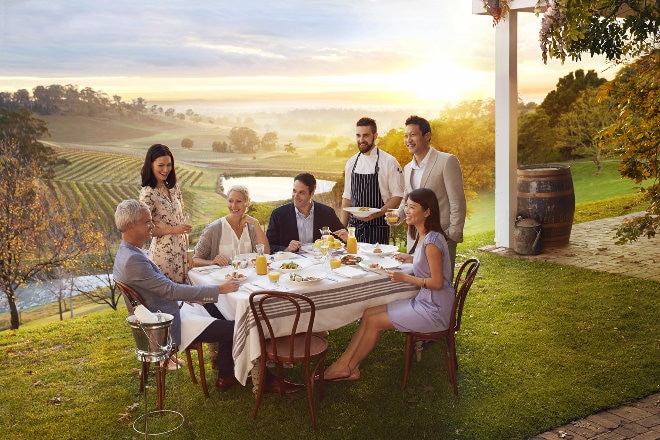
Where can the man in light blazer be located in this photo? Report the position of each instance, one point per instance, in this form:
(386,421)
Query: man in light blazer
(440,172)
(299,221)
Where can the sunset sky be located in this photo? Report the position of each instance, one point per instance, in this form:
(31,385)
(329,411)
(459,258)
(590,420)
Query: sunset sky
(315,52)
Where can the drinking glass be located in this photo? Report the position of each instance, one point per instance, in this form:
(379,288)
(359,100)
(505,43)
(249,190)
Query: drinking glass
(392,217)
(274,277)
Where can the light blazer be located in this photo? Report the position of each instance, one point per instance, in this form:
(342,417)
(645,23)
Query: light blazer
(133,268)
(282,227)
(442,174)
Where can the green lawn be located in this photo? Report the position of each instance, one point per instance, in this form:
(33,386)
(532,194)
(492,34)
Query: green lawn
(541,345)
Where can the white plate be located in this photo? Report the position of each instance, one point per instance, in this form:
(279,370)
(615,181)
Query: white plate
(350,272)
(301,262)
(221,274)
(386,249)
(316,276)
(309,247)
(381,263)
(279,256)
(361,211)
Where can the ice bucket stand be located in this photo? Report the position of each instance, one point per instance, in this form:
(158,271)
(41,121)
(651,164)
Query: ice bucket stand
(149,338)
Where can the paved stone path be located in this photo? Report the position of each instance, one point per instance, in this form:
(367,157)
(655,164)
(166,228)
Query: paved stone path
(592,246)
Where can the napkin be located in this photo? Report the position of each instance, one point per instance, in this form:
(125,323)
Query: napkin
(144,316)
(350,272)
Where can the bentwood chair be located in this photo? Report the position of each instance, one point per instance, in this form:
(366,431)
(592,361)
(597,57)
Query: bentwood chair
(462,284)
(299,345)
(133,299)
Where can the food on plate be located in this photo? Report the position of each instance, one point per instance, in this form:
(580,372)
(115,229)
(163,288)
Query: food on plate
(299,278)
(289,265)
(234,275)
(363,208)
(351,259)
(377,249)
(375,266)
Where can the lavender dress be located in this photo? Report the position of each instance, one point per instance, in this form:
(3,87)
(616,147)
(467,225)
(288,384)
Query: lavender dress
(430,310)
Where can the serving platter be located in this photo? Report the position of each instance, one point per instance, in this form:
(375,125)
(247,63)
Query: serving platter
(307,276)
(291,265)
(226,273)
(361,211)
(385,249)
(379,263)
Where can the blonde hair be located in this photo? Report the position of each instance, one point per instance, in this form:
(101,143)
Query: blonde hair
(243,190)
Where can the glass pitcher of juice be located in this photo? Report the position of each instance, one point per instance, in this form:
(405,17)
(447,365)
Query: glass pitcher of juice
(351,241)
(260,263)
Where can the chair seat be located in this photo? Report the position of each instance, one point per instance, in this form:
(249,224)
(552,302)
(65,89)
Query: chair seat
(317,347)
(429,336)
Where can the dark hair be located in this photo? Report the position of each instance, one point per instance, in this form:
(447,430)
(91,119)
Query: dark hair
(367,122)
(308,180)
(428,200)
(422,123)
(154,152)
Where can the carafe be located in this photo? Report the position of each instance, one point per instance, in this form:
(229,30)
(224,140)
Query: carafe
(351,241)
(260,263)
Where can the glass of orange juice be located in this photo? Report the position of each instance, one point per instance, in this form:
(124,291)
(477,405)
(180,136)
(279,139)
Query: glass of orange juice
(274,276)
(392,216)
(335,263)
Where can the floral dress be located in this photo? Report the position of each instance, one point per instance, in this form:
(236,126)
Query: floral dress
(169,251)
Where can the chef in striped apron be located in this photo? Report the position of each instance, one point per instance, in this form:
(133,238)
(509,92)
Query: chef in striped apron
(373,179)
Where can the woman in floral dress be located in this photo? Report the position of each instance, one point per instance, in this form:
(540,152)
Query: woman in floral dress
(160,191)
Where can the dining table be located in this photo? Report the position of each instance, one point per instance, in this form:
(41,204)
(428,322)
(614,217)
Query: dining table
(340,295)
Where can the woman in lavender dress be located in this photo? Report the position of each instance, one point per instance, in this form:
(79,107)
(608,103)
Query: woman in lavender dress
(429,310)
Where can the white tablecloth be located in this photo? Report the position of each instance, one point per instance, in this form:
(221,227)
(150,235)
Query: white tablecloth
(339,301)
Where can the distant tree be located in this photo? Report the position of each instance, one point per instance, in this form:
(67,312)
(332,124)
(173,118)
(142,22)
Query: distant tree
(20,128)
(243,139)
(289,148)
(635,136)
(21,99)
(220,146)
(138,107)
(567,91)
(100,266)
(60,284)
(37,233)
(187,143)
(578,129)
(180,116)
(472,141)
(536,138)
(391,142)
(269,141)
(261,211)
(170,112)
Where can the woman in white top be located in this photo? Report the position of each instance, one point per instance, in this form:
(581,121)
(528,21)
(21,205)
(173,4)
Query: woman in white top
(231,235)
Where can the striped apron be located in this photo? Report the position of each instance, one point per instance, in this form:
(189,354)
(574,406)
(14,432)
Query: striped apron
(366,192)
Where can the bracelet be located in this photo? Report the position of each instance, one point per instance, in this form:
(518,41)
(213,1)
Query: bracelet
(423,283)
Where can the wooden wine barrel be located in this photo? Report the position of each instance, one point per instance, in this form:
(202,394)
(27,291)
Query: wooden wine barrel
(545,194)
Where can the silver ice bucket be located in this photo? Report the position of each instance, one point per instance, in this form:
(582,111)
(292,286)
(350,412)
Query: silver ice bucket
(153,340)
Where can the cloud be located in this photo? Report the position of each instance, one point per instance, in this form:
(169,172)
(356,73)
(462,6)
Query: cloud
(374,43)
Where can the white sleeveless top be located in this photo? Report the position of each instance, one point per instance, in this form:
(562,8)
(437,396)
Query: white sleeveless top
(230,244)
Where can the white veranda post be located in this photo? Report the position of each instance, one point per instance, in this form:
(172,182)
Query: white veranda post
(506,120)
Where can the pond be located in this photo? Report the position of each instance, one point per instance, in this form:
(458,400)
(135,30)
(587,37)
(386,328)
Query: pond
(267,189)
